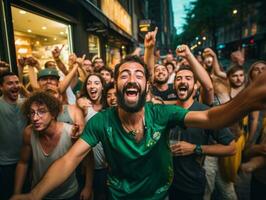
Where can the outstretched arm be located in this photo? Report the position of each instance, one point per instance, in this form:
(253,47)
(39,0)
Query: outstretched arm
(22,166)
(184,148)
(52,178)
(251,98)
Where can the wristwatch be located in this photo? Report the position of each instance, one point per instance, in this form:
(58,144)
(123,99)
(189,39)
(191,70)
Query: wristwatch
(198,150)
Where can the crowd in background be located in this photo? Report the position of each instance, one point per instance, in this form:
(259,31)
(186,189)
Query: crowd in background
(207,164)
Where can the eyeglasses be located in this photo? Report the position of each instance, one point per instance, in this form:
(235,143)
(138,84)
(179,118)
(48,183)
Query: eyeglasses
(39,113)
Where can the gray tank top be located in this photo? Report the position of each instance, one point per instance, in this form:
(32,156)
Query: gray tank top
(98,152)
(42,161)
(65,116)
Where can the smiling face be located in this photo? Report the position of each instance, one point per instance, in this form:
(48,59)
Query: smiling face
(48,81)
(184,84)
(131,87)
(40,117)
(106,76)
(111,97)
(161,74)
(10,88)
(94,88)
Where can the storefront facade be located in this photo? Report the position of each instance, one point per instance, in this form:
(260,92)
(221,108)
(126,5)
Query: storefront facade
(34,28)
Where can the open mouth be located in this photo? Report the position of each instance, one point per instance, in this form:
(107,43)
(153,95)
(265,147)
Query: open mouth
(14,91)
(182,89)
(93,93)
(36,125)
(131,92)
(161,75)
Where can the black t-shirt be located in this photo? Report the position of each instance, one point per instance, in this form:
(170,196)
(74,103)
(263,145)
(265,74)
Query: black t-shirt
(166,95)
(189,175)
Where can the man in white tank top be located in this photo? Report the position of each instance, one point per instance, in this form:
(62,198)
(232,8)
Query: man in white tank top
(44,141)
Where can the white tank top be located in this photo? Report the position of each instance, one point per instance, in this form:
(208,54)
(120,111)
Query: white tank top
(42,161)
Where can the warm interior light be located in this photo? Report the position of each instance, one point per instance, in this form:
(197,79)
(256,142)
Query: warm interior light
(22,12)
(22,50)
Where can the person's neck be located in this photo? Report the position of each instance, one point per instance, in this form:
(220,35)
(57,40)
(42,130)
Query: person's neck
(130,118)
(97,105)
(161,87)
(185,104)
(52,130)
(8,100)
(235,90)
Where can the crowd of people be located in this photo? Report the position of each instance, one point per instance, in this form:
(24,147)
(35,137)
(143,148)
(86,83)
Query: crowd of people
(155,129)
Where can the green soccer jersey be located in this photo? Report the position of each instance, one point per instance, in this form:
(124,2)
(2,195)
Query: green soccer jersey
(137,170)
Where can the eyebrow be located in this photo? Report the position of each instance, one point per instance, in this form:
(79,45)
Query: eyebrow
(128,71)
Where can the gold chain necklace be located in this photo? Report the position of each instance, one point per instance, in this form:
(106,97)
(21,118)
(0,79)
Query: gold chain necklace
(131,131)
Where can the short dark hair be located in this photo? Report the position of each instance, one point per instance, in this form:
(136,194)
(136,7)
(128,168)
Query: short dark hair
(233,69)
(4,74)
(186,67)
(131,59)
(107,87)
(54,106)
(170,63)
(96,58)
(109,70)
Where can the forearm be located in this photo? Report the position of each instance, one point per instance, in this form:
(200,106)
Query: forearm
(33,78)
(149,60)
(56,175)
(217,70)
(82,74)
(89,168)
(20,73)
(203,77)
(219,149)
(61,66)
(225,114)
(20,175)
(253,121)
(67,80)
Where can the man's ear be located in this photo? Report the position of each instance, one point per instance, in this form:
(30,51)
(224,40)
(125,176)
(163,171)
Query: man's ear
(196,86)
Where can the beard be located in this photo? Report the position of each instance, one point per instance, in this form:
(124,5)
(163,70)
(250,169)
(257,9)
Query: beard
(161,82)
(138,105)
(189,93)
(237,84)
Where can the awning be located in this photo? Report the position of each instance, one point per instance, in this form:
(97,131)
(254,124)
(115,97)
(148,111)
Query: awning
(97,13)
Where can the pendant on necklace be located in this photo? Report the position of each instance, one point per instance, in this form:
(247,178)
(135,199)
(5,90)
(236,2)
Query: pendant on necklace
(134,132)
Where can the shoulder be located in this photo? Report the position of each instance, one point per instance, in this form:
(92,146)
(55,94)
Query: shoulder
(164,109)
(28,131)
(74,109)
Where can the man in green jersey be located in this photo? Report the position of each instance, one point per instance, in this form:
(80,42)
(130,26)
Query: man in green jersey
(134,136)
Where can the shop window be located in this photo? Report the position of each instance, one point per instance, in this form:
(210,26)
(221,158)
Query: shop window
(94,46)
(37,36)
(113,56)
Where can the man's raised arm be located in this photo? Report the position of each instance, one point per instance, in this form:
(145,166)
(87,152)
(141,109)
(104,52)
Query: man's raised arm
(199,72)
(251,98)
(149,44)
(58,172)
